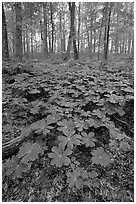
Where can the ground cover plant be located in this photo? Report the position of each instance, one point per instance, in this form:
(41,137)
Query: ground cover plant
(68,131)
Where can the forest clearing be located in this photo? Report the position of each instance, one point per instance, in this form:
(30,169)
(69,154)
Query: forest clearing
(68,102)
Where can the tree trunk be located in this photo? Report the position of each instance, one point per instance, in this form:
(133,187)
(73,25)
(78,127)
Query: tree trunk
(107,29)
(117,37)
(88,40)
(100,39)
(132,49)
(19,49)
(24,41)
(52,25)
(45,29)
(94,41)
(79,24)
(123,44)
(111,50)
(5,50)
(49,37)
(64,39)
(129,43)
(91,35)
(60,30)
(72,33)
(27,42)
(32,43)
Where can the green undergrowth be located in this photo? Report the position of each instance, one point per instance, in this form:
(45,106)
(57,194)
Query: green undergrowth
(80,121)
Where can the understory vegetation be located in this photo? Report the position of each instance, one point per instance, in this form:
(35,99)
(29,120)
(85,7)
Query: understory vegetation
(69,127)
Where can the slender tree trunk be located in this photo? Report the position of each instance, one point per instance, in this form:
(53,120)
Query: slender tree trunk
(132,49)
(49,37)
(24,41)
(123,44)
(81,47)
(19,49)
(79,24)
(31,43)
(88,40)
(94,40)
(91,35)
(105,29)
(72,35)
(5,50)
(64,38)
(108,33)
(129,44)
(45,29)
(31,39)
(111,50)
(94,31)
(99,45)
(117,37)
(27,42)
(52,24)
(60,29)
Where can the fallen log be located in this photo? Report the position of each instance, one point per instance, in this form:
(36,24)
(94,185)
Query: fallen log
(12,147)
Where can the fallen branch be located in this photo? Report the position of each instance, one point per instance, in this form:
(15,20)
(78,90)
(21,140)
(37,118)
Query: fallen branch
(10,148)
(121,121)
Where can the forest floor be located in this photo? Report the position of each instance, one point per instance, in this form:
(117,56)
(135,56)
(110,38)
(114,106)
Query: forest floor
(79,119)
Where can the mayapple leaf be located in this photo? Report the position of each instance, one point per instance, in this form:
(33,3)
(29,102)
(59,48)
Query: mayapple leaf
(12,167)
(88,139)
(65,124)
(53,118)
(74,179)
(113,144)
(93,174)
(29,152)
(60,157)
(115,133)
(124,145)
(41,127)
(101,157)
(81,124)
(70,139)
(34,91)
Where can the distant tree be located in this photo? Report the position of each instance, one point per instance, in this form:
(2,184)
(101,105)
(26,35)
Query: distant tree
(19,48)
(52,25)
(5,50)
(45,29)
(107,15)
(79,24)
(99,43)
(72,35)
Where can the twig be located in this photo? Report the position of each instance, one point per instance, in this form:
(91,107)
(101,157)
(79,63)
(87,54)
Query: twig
(123,123)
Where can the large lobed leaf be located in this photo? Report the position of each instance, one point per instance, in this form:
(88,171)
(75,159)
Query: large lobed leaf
(29,152)
(60,157)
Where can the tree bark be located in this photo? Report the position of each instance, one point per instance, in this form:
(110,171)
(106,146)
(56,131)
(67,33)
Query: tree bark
(117,38)
(45,29)
(94,31)
(19,49)
(52,25)
(32,50)
(27,42)
(72,33)
(132,49)
(60,30)
(79,24)
(100,39)
(5,50)
(107,29)
(64,39)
